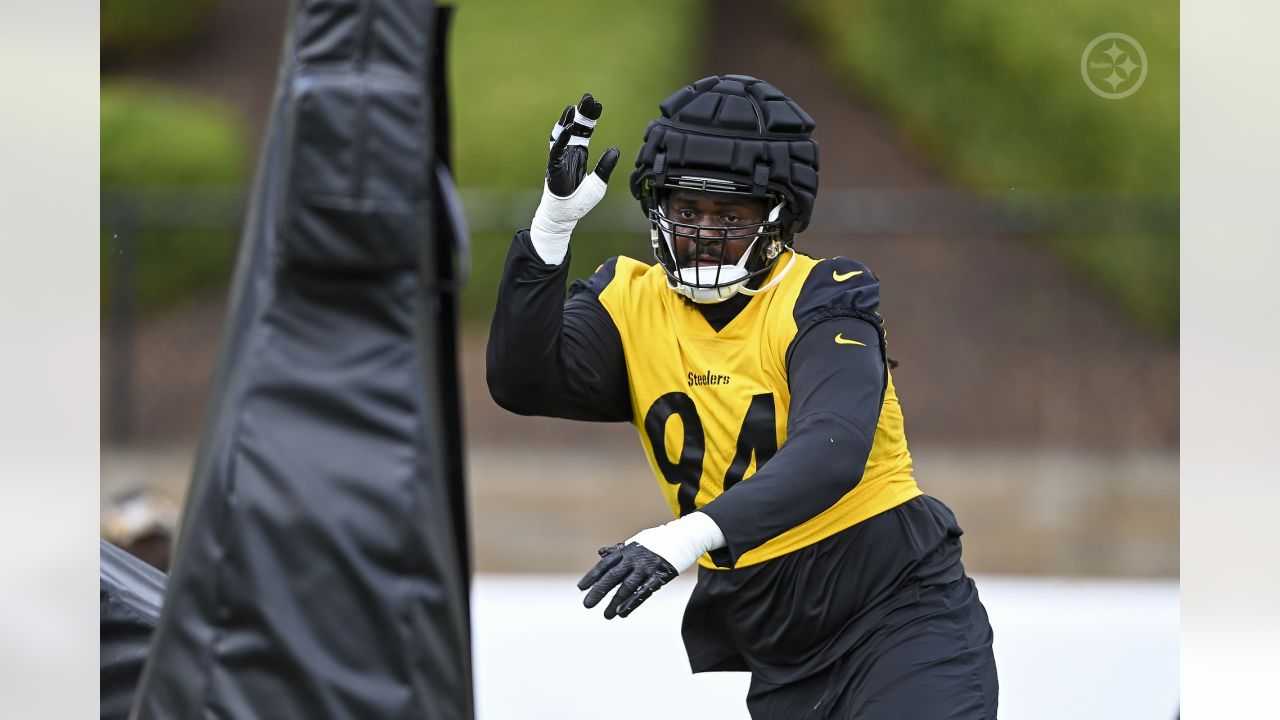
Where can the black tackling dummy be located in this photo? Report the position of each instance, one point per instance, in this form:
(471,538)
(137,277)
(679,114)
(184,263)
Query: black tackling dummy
(322,567)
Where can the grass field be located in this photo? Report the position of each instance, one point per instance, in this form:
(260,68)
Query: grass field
(992,90)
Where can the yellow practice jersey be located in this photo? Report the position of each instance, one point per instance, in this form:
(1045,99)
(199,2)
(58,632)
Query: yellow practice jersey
(711,407)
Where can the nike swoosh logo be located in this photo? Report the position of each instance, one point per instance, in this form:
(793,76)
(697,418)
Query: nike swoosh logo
(840,340)
(841,278)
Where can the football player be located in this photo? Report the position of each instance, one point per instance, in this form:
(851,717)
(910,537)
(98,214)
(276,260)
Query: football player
(758,381)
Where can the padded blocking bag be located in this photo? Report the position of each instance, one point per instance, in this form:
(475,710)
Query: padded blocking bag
(321,570)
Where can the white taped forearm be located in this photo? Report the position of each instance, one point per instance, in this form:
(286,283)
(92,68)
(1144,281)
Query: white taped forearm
(681,542)
(556,217)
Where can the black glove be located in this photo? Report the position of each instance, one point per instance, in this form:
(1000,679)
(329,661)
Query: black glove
(567,163)
(638,570)
(568,192)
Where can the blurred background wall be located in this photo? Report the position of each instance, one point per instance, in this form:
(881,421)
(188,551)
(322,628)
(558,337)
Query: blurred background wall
(1023,227)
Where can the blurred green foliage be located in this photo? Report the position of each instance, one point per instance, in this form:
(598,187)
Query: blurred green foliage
(515,65)
(165,153)
(131,28)
(153,135)
(992,89)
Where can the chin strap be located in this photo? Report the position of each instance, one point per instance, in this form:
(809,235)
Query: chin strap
(776,278)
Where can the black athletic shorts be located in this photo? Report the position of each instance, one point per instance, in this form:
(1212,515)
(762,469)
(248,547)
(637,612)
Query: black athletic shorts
(877,621)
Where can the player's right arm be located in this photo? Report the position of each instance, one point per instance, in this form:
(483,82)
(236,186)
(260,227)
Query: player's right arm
(546,356)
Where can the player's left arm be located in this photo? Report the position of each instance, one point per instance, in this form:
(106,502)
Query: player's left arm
(837,377)
(837,380)
(837,385)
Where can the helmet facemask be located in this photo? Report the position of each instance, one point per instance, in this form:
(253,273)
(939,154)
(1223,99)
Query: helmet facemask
(699,259)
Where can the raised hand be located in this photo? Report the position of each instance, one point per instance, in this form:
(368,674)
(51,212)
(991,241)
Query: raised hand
(570,138)
(568,192)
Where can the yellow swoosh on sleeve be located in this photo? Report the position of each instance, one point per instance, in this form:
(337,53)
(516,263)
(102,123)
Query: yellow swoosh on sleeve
(838,277)
(840,340)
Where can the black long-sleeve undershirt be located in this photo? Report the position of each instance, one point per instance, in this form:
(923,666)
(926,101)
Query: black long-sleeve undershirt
(836,391)
(564,359)
(550,357)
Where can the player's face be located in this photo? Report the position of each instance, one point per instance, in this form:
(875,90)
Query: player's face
(725,226)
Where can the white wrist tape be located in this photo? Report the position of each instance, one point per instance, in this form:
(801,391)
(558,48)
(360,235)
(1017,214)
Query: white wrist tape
(681,542)
(556,217)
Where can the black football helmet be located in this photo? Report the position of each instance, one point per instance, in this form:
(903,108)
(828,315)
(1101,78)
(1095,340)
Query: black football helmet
(736,135)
